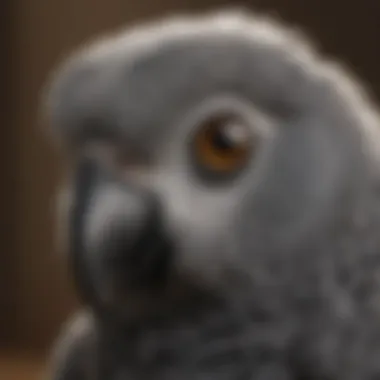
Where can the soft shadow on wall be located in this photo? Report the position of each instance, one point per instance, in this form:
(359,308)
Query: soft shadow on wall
(35,290)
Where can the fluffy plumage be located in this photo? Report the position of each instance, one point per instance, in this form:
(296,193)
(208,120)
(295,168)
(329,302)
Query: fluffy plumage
(270,275)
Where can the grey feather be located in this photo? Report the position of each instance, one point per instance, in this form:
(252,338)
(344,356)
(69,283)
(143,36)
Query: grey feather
(273,275)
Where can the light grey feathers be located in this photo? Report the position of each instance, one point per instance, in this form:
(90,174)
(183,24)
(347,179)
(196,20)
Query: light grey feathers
(231,228)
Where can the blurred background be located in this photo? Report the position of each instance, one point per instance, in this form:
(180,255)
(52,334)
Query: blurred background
(35,288)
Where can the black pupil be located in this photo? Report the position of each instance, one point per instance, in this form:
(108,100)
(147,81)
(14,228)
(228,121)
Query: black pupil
(223,140)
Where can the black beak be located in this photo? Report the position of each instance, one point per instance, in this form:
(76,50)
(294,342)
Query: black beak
(134,250)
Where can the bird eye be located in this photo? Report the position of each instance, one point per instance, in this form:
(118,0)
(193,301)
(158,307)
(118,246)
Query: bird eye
(223,144)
